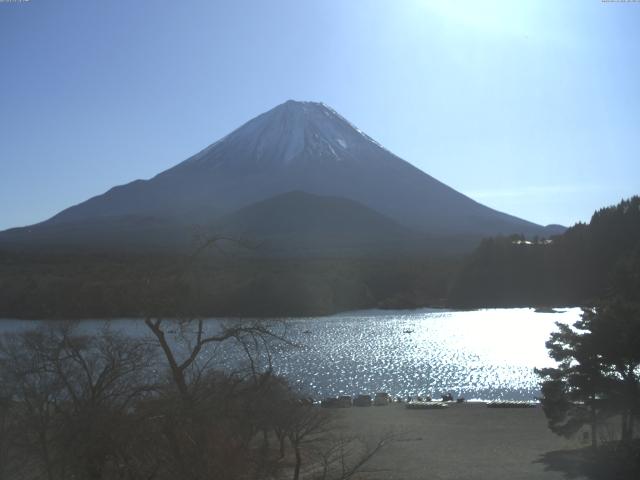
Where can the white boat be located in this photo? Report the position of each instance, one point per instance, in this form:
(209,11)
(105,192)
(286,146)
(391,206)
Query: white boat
(418,405)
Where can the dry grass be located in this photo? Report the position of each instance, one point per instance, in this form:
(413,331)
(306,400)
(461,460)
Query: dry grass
(464,441)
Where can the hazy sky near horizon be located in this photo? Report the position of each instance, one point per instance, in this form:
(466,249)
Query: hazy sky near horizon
(532,108)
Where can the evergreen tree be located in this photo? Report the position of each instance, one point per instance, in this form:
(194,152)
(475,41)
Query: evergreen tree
(598,373)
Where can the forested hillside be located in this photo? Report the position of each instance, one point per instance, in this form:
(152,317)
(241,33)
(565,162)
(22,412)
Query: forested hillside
(102,286)
(586,262)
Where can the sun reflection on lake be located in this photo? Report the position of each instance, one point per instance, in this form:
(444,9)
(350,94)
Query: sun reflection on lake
(481,354)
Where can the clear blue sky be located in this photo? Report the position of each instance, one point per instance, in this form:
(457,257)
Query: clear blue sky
(531,108)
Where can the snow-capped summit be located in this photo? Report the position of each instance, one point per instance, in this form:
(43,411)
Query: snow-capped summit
(291,132)
(298,146)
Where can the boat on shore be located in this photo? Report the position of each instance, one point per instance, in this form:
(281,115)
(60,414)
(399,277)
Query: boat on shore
(511,404)
(426,405)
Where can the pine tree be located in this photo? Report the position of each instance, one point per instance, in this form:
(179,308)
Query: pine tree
(598,373)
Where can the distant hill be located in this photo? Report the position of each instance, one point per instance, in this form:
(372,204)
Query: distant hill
(297,146)
(299,223)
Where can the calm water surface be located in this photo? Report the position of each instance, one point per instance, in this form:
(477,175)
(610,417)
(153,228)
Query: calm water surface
(482,354)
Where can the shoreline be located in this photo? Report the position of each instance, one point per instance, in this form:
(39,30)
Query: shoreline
(372,310)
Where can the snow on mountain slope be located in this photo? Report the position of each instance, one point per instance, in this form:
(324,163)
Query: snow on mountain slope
(289,133)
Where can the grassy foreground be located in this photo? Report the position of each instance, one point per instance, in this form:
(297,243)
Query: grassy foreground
(464,441)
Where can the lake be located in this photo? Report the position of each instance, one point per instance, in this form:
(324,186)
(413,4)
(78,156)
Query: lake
(482,354)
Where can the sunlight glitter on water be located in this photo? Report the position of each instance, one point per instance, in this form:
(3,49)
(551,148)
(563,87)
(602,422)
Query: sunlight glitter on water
(482,354)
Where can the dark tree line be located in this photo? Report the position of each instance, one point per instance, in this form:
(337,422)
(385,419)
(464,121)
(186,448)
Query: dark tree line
(84,285)
(574,268)
(585,263)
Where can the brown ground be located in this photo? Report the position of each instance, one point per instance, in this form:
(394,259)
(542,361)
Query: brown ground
(463,442)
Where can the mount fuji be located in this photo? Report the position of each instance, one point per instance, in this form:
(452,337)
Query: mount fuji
(302,147)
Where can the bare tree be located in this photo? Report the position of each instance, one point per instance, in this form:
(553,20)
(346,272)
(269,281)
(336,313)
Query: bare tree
(72,396)
(306,425)
(343,456)
(318,441)
(6,412)
(184,366)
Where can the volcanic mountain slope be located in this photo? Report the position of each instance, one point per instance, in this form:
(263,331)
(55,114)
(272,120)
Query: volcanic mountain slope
(296,146)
